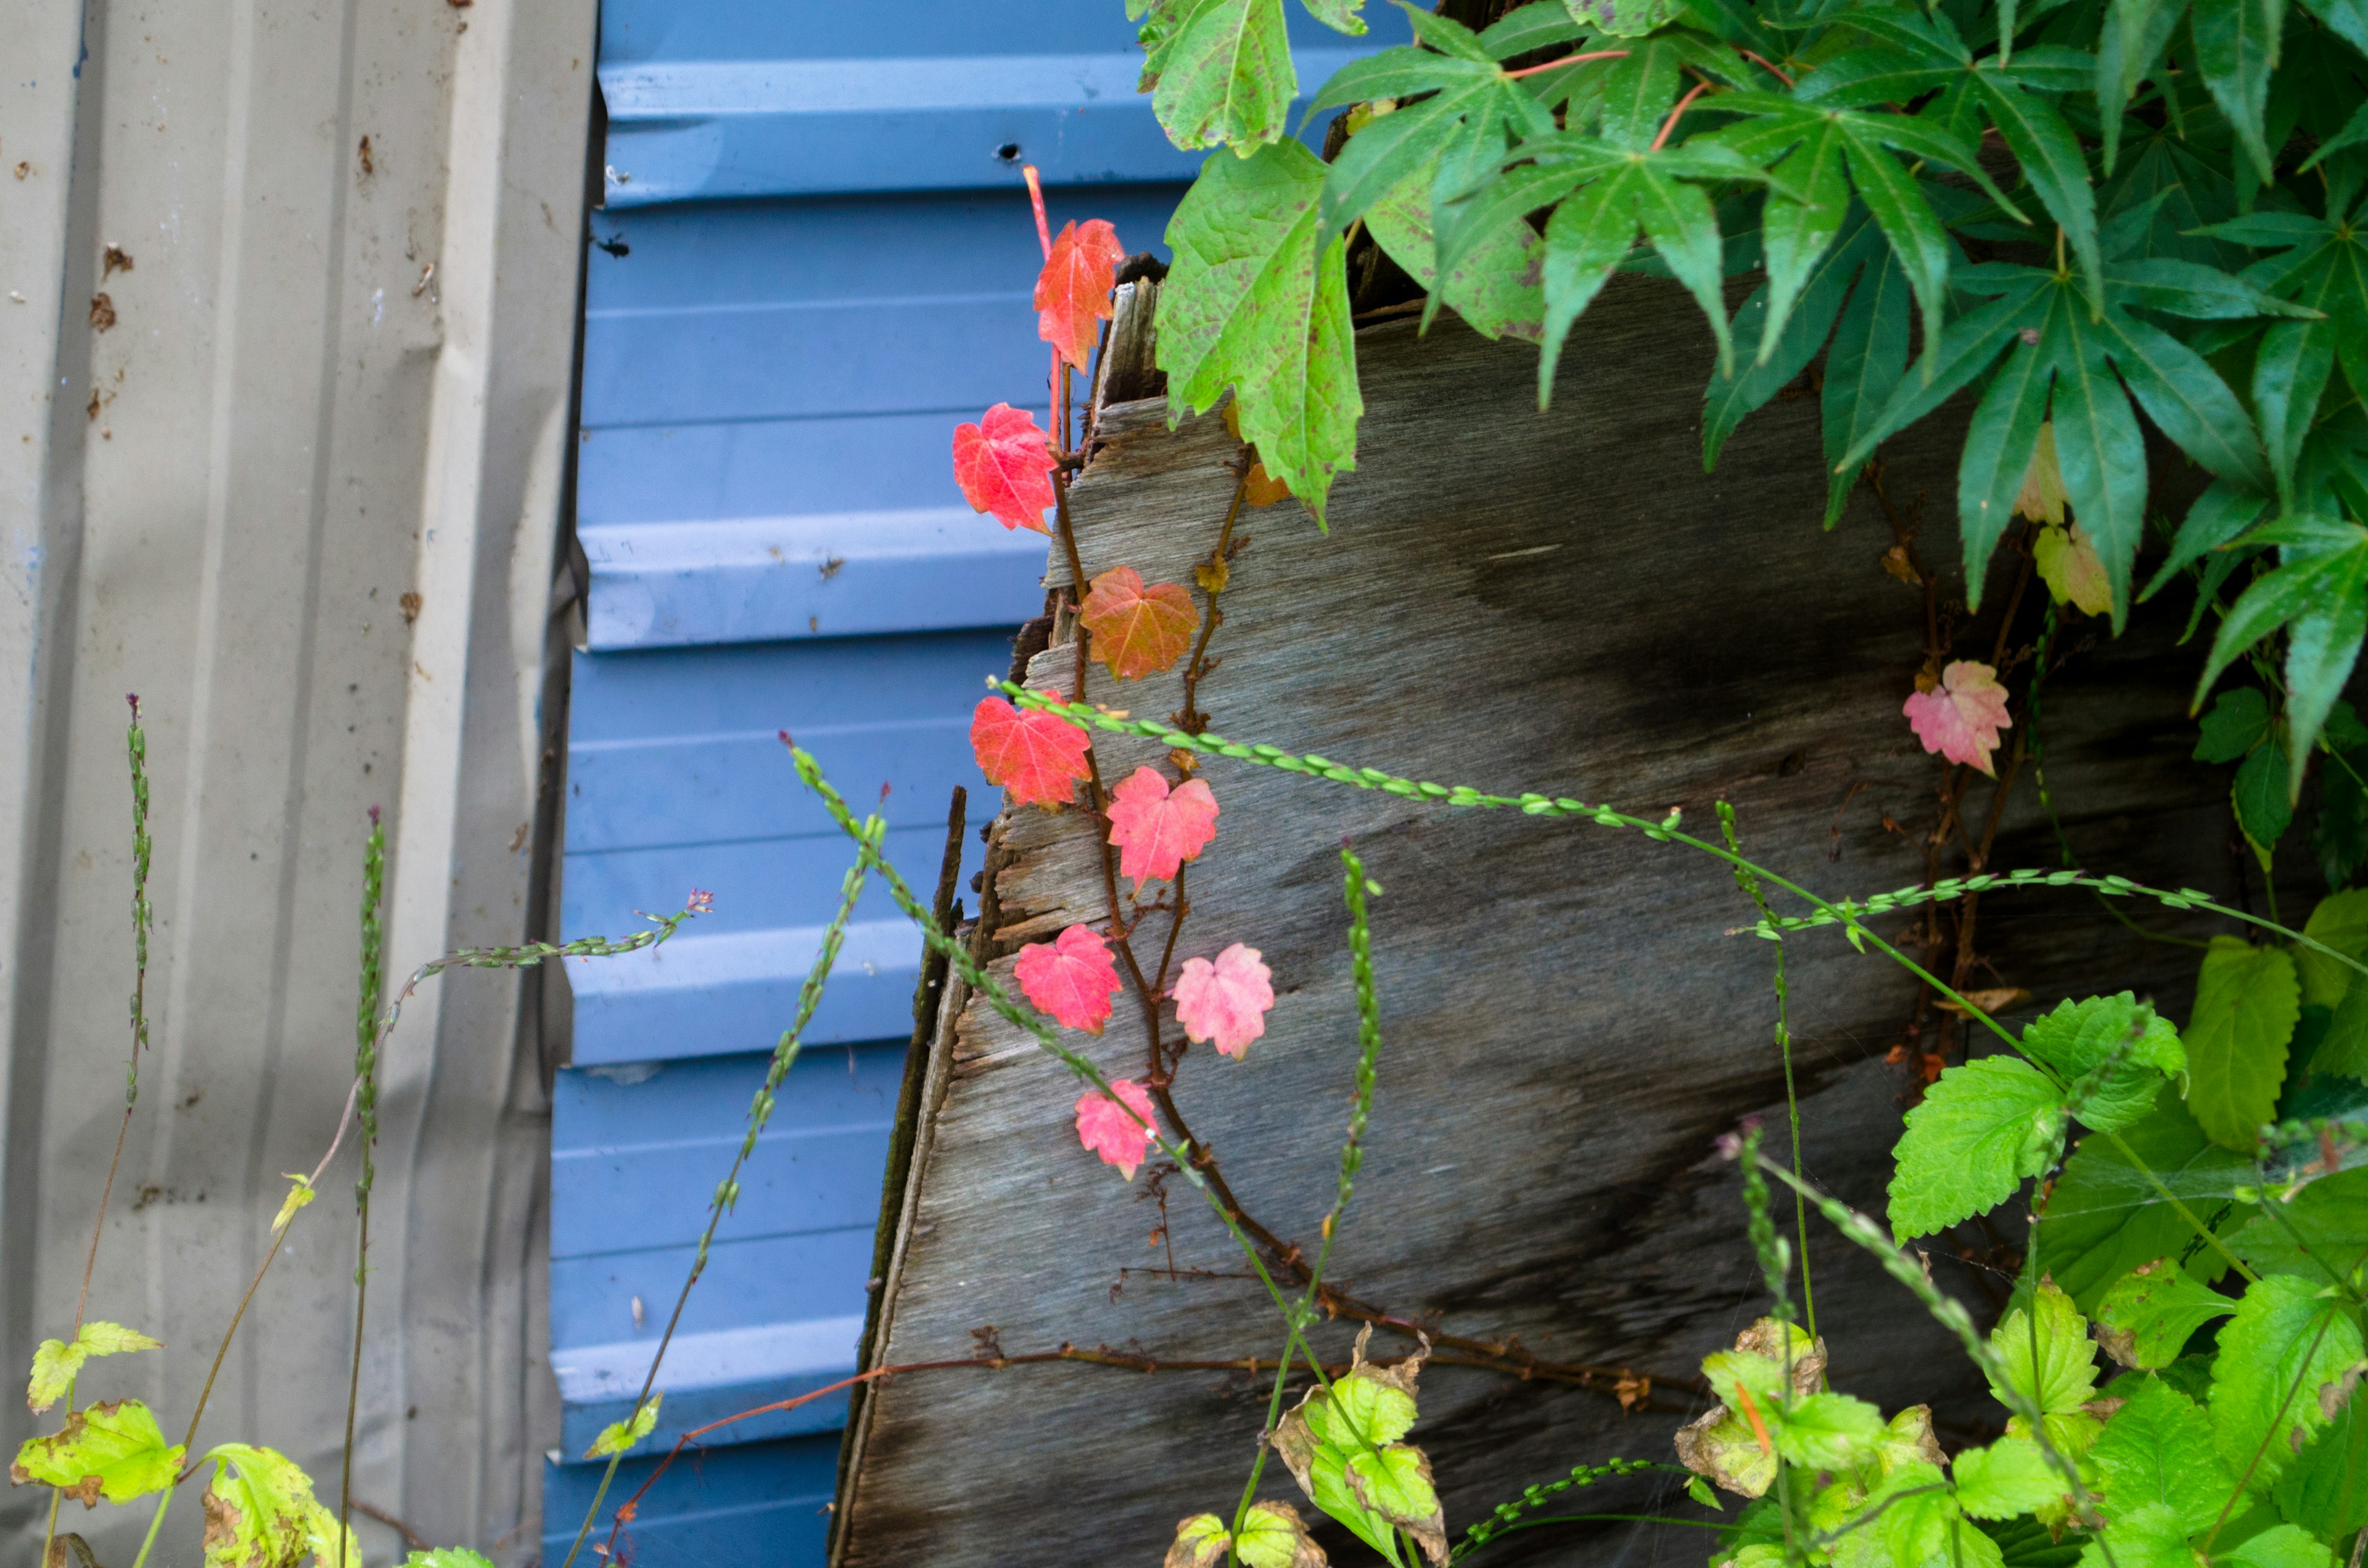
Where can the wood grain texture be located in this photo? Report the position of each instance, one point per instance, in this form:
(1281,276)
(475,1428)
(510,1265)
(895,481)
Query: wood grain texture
(1563,602)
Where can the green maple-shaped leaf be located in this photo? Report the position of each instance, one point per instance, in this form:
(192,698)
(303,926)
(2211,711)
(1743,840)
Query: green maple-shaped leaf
(112,1449)
(1983,1128)
(2287,1341)
(260,1511)
(2045,1350)
(1497,286)
(2158,1449)
(2010,1477)
(55,1362)
(618,1436)
(1257,301)
(1222,73)
(2246,1003)
(2150,1313)
(2113,1051)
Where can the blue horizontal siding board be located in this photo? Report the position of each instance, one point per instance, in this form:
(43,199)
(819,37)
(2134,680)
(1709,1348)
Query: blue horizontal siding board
(764,1505)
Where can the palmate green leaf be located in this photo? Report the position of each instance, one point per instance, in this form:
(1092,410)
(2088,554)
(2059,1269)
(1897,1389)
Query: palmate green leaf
(1224,76)
(1983,1128)
(2151,1312)
(2113,1051)
(2237,48)
(1541,24)
(2340,921)
(2247,1002)
(112,1449)
(1253,302)
(2326,1489)
(2157,1448)
(1728,399)
(1865,370)
(2320,1233)
(56,1361)
(2051,160)
(2129,48)
(2103,1215)
(2010,1477)
(1795,231)
(2286,1342)
(1497,285)
(2224,511)
(620,1437)
(1638,92)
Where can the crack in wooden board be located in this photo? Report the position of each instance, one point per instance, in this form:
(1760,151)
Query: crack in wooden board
(1564,602)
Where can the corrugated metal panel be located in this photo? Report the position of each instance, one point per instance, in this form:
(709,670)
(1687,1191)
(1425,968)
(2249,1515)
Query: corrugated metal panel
(217,492)
(775,540)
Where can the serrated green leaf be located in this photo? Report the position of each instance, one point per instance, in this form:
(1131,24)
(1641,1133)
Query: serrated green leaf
(2326,1489)
(1638,92)
(2236,47)
(2340,921)
(2104,1216)
(2115,1051)
(55,1362)
(2010,1477)
(2185,396)
(2282,1546)
(1829,1431)
(2290,372)
(2322,646)
(1918,242)
(2247,1002)
(1340,16)
(1395,1482)
(441,1557)
(1623,18)
(2151,1312)
(2149,1536)
(1728,399)
(1982,1129)
(1998,445)
(2157,1448)
(1253,303)
(1226,76)
(260,1511)
(1795,231)
(2051,160)
(110,1449)
(2238,721)
(2290,593)
(2258,795)
(1539,25)
(2129,48)
(620,1437)
(2099,447)
(2321,1234)
(2285,1342)
(2046,1354)
(1497,286)
(2217,517)
(1589,234)
(1864,368)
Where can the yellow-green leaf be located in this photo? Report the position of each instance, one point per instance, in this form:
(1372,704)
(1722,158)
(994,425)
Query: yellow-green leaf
(618,1436)
(1201,1543)
(299,1196)
(260,1511)
(112,1449)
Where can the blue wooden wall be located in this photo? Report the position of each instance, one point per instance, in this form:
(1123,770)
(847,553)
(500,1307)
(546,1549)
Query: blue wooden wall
(814,260)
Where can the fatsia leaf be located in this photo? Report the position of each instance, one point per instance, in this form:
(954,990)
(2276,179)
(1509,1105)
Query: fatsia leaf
(2339,920)
(1002,464)
(2287,1340)
(1225,1001)
(1959,718)
(260,1511)
(2246,1003)
(2320,1233)
(1138,630)
(110,1449)
(2151,1312)
(1983,1128)
(1072,977)
(2157,1448)
(2105,1213)
(1118,1128)
(2010,1477)
(1156,829)
(1257,300)
(620,1437)
(1224,74)
(1073,290)
(1038,757)
(55,1361)
(2115,1051)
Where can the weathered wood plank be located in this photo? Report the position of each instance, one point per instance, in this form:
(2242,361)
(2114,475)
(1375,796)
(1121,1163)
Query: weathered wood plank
(1563,602)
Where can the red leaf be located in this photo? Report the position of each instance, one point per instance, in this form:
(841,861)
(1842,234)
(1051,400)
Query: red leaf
(1032,754)
(1157,829)
(1002,466)
(1138,631)
(1072,977)
(1073,291)
(1960,718)
(1225,1001)
(1104,1126)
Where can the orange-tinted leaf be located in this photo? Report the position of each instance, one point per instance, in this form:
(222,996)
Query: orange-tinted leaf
(1138,631)
(1073,291)
(1072,977)
(1104,1126)
(1001,464)
(1262,489)
(1035,756)
(1157,829)
(1960,718)
(1225,1001)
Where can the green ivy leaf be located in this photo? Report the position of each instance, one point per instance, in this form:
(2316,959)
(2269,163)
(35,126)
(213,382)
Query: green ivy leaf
(618,1436)
(2104,1217)
(2339,920)
(2238,721)
(111,1450)
(1223,74)
(1254,303)
(2010,1477)
(2285,1342)
(1983,1128)
(2115,1050)
(260,1511)
(2157,1449)
(2246,1003)
(55,1362)
(2321,1234)
(2150,1314)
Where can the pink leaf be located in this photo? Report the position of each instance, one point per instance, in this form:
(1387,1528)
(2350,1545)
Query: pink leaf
(1071,977)
(1037,757)
(1960,718)
(1001,465)
(1225,1001)
(1104,1126)
(1073,291)
(1157,829)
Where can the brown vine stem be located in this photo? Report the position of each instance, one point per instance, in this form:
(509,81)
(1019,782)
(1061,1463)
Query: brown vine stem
(1192,720)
